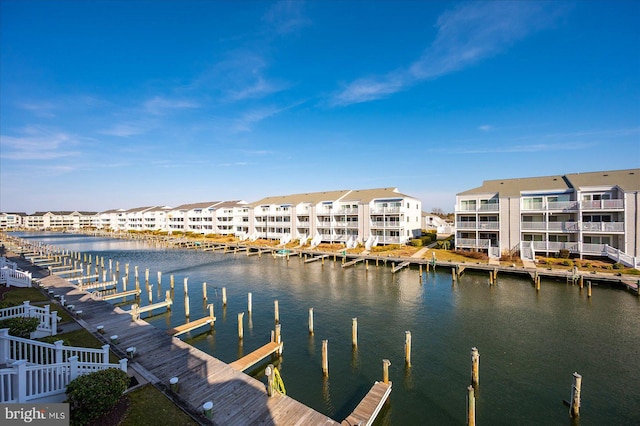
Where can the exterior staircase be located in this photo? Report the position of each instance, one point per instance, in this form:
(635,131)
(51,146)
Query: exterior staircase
(32,371)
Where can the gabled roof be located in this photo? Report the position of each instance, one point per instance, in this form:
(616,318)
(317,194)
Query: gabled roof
(627,180)
(368,195)
(357,195)
(202,205)
(138,209)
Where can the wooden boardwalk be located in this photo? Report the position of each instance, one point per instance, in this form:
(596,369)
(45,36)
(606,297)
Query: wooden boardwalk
(367,410)
(256,356)
(238,399)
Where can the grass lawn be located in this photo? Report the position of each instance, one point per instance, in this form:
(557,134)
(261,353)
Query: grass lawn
(150,407)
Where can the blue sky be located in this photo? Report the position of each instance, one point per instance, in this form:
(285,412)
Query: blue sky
(121,104)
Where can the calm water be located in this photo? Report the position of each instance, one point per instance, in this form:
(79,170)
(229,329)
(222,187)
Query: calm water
(530,343)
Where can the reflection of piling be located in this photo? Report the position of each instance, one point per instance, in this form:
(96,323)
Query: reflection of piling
(588,288)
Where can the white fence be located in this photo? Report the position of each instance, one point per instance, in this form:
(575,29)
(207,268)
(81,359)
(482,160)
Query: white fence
(15,278)
(48,325)
(40,370)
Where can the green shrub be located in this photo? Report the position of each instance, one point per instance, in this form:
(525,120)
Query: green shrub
(416,242)
(563,253)
(20,327)
(567,262)
(618,266)
(94,394)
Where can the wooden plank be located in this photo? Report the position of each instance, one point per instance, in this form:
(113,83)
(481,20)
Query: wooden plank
(181,329)
(117,295)
(400,266)
(255,356)
(353,262)
(366,411)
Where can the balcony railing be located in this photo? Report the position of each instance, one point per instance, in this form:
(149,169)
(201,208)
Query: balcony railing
(473,243)
(616,204)
(549,226)
(490,207)
(385,210)
(553,246)
(603,226)
(550,205)
(347,211)
(386,225)
(478,225)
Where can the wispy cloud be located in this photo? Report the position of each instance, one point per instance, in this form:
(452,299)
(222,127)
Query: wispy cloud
(160,105)
(42,109)
(126,129)
(287,16)
(485,127)
(251,117)
(38,144)
(465,36)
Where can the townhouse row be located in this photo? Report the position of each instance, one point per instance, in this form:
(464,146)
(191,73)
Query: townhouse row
(590,214)
(371,216)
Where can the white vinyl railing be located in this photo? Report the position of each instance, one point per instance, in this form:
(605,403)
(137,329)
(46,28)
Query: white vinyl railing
(603,226)
(622,257)
(473,243)
(14,348)
(602,204)
(21,382)
(48,325)
(6,263)
(15,278)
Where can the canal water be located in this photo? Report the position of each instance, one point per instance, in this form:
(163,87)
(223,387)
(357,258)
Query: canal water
(530,342)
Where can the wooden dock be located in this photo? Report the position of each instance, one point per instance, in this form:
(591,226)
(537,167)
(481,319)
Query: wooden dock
(256,356)
(367,410)
(314,258)
(353,262)
(400,266)
(241,399)
(100,296)
(185,328)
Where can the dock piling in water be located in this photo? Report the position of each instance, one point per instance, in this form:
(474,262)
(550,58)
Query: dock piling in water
(354,332)
(471,406)
(475,367)
(407,348)
(574,410)
(311,321)
(276,312)
(325,360)
(240,326)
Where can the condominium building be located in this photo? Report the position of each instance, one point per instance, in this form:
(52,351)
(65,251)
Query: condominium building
(59,220)
(382,215)
(210,217)
(10,220)
(588,214)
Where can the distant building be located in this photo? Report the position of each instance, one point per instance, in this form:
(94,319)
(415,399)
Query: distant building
(588,214)
(11,220)
(433,222)
(59,220)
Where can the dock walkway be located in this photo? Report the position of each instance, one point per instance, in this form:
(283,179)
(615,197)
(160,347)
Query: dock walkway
(367,410)
(256,356)
(238,399)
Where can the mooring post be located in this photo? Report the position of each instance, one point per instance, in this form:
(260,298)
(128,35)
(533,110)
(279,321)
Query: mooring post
(453,274)
(475,367)
(150,288)
(159,278)
(207,409)
(240,328)
(276,312)
(186,286)
(325,360)
(174,385)
(186,305)
(124,283)
(204,292)
(224,296)
(135,272)
(574,410)
(407,348)
(354,332)
(146,276)
(270,377)
(311,321)
(471,406)
(172,282)
(385,370)
(537,283)
(249,303)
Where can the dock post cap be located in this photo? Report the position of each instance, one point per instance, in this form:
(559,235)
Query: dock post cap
(173,380)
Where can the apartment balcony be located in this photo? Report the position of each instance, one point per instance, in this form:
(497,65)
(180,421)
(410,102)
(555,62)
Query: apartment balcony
(489,207)
(550,226)
(385,210)
(473,243)
(564,206)
(477,225)
(603,226)
(346,224)
(616,204)
(346,211)
(385,225)
(555,246)
(304,225)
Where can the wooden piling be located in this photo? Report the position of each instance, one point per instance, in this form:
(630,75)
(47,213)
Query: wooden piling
(588,288)
(311,321)
(204,292)
(574,410)
(276,312)
(124,283)
(146,275)
(172,282)
(186,286)
(407,348)
(240,326)
(471,406)
(224,296)
(159,278)
(475,367)
(537,283)
(150,294)
(325,360)
(354,332)
(249,297)
(186,305)
(385,370)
